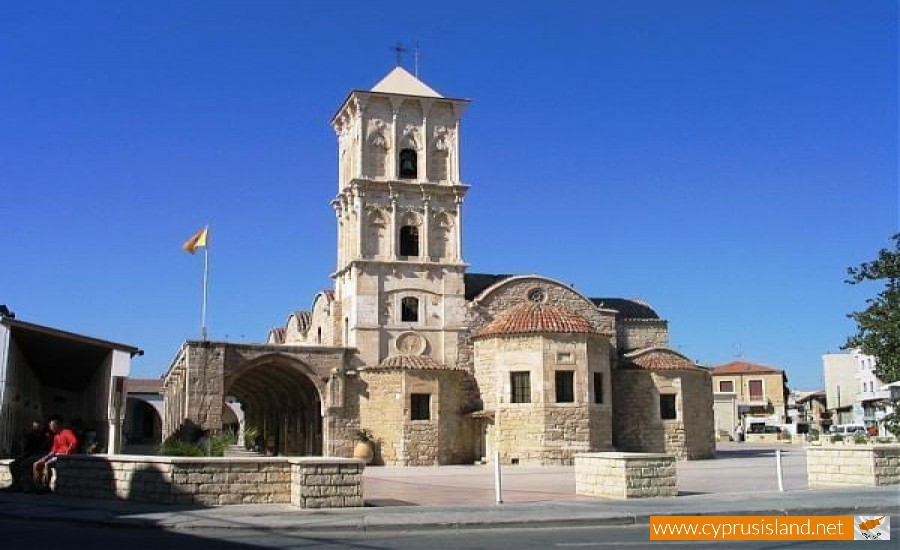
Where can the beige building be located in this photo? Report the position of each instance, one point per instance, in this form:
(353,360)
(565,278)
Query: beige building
(443,366)
(746,392)
(841,386)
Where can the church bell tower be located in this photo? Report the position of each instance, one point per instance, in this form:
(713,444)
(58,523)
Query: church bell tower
(399,277)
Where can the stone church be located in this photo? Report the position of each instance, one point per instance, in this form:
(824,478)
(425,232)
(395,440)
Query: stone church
(441,365)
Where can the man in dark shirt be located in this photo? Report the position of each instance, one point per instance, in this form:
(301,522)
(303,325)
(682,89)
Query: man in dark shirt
(34,446)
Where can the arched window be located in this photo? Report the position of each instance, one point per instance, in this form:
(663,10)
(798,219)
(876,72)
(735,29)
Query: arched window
(409,161)
(409,310)
(409,240)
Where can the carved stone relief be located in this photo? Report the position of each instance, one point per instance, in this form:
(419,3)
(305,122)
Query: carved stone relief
(410,343)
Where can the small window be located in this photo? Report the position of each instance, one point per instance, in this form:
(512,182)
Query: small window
(409,310)
(565,386)
(409,240)
(319,335)
(520,383)
(420,406)
(756,390)
(598,387)
(667,406)
(726,386)
(409,164)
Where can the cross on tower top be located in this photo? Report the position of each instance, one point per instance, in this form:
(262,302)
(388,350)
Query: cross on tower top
(399,50)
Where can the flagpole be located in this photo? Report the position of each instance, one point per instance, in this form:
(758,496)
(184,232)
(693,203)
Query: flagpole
(203,332)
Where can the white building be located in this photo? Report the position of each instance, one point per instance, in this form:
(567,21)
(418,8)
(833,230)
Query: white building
(46,372)
(855,394)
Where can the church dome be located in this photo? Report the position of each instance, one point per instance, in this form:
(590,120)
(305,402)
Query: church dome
(534,318)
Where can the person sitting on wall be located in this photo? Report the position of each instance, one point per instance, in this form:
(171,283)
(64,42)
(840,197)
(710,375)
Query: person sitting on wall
(64,443)
(34,446)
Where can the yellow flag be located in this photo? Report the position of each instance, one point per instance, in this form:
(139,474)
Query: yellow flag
(196,241)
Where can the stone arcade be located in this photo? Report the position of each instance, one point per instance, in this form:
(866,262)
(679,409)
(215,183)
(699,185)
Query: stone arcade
(441,365)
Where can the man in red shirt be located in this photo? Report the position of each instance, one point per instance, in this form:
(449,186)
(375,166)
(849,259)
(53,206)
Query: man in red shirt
(64,443)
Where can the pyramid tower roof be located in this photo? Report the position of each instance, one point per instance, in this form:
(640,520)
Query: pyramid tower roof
(400,81)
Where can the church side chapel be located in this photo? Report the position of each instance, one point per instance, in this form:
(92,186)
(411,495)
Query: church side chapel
(440,365)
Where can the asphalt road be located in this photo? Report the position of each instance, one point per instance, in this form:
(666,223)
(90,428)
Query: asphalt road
(40,535)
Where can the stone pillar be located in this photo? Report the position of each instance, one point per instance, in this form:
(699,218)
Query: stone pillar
(853,465)
(626,475)
(423,162)
(426,230)
(359,209)
(395,231)
(458,227)
(394,149)
(206,368)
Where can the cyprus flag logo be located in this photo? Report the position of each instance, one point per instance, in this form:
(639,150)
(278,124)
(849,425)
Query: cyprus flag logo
(872,528)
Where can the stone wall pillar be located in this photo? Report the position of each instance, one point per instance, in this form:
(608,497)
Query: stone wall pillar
(626,475)
(326,482)
(856,465)
(205,363)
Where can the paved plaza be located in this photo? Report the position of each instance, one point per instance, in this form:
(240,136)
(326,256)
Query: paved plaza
(739,468)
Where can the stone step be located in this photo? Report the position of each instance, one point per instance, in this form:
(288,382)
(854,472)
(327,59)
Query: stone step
(240,451)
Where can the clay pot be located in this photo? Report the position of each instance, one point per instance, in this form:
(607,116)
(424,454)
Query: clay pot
(363,450)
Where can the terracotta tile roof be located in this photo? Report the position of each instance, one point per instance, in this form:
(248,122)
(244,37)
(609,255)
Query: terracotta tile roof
(743,367)
(143,385)
(627,309)
(657,359)
(421,362)
(535,318)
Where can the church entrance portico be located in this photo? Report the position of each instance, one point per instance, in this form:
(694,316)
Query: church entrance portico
(291,395)
(281,403)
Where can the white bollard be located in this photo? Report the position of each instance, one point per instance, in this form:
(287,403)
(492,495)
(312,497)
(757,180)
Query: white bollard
(778,469)
(498,480)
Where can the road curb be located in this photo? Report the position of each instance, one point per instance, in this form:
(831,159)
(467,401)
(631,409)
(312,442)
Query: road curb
(383,523)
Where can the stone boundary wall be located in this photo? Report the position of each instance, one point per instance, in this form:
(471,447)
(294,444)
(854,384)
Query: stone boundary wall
(868,465)
(5,473)
(309,482)
(327,483)
(626,475)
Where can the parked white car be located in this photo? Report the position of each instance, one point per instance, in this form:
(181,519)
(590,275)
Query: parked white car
(847,429)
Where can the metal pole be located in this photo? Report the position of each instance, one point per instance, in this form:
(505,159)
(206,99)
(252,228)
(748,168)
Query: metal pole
(778,469)
(498,479)
(203,332)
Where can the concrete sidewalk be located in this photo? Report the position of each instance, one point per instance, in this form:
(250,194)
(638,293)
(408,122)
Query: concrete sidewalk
(862,501)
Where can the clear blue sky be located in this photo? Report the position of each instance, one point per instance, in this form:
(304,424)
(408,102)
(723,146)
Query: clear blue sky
(724,161)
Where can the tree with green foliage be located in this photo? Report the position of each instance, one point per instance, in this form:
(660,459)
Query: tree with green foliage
(878,326)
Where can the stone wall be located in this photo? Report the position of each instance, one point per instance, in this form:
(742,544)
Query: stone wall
(381,411)
(326,483)
(305,482)
(626,475)
(447,437)
(543,431)
(642,333)
(869,465)
(698,419)
(637,423)
(5,473)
